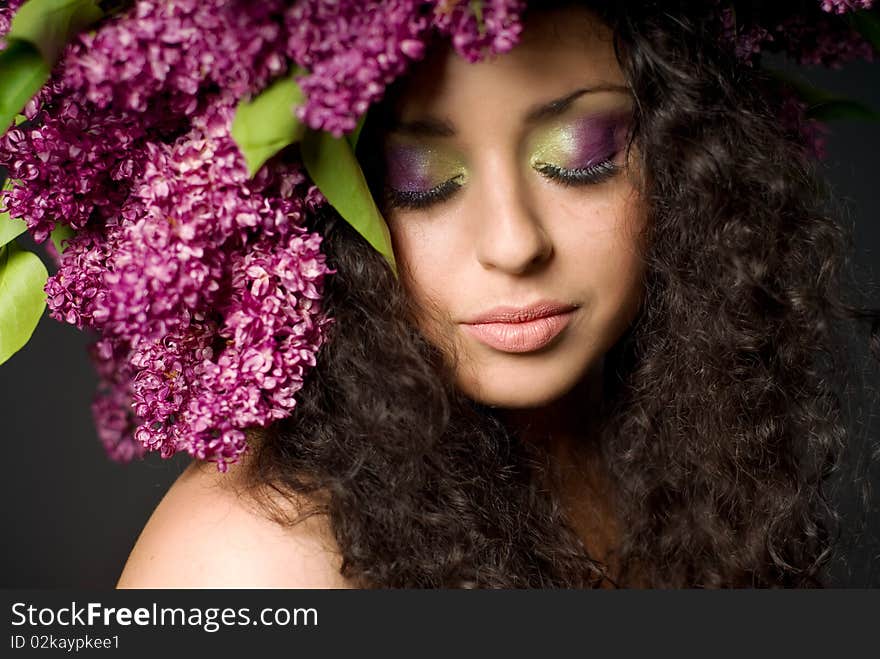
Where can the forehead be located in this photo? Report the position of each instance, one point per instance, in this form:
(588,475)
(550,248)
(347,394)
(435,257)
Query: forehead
(559,51)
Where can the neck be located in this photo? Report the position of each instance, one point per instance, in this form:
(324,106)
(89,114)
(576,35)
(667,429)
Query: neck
(566,423)
(568,432)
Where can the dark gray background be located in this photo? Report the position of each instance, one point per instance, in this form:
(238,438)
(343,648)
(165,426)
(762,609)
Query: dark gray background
(70,516)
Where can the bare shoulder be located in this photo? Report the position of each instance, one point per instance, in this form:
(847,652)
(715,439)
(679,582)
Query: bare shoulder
(203,534)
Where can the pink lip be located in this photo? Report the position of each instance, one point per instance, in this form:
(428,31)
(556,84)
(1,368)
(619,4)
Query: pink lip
(512,329)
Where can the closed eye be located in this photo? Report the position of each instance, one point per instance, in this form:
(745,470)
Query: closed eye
(592,175)
(416,199)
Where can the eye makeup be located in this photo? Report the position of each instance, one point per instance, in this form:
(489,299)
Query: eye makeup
(580,150)
(418,174)
(571,151)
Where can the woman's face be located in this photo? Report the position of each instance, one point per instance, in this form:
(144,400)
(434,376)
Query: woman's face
(507,186)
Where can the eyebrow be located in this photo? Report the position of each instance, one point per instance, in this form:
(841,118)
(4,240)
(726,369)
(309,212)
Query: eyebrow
(432,127)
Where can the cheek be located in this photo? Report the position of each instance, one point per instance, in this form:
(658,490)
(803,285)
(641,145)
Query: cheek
(600,244)
(426,263)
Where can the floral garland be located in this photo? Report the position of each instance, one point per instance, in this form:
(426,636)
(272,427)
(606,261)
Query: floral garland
(151,149)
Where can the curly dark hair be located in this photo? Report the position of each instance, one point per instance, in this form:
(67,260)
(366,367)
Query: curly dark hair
(722,419)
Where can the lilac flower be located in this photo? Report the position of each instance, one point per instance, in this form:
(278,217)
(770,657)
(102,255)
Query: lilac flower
(198,254)
(111,407)
(160,62)
(352,51)
(843,6)
(75,293)
(72,165)
(191,200)
(823,41)
(495,31)
(7,11)
(157,57)
(224,367)
(203,285)
(747,41)
(192,393)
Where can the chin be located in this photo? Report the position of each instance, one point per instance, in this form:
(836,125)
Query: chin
(519,388)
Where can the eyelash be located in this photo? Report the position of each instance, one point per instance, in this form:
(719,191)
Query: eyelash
(416,200)
(592,175)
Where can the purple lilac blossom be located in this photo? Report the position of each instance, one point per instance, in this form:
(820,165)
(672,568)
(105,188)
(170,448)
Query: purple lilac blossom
(498,33)
(114,417)
(159,57)
(7,11)
(70,164)
(203,286)
(843,6)
(161,304)
(822,41)
(809,40)
(353,50)
(193,395)
(139,78)
(747,41)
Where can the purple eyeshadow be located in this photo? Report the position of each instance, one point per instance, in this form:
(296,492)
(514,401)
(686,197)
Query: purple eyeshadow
(581,143)
(595,139)
(407,168)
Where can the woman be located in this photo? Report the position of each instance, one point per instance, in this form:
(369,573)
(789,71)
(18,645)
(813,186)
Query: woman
(658,414)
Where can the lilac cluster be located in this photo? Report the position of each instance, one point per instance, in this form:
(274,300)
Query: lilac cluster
(138,80)
(206,294)
(810,39)
(843,6)
(6,13)
(162,56)
(203,285)
(353,51)
(496,29)
(747,41)
(822,41)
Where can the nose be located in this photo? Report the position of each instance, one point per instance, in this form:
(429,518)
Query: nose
(511,235)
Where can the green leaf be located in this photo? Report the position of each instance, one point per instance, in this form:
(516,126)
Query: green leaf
(355,135)
(59,233)
(50,24)
(10,228)
(40,29)
(867,23)
(22,300)
(825,105)
(266,124)
(331,163)
(22,72)
(841,108)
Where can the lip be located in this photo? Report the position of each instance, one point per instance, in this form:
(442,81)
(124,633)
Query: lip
(510,314)
(521,329)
